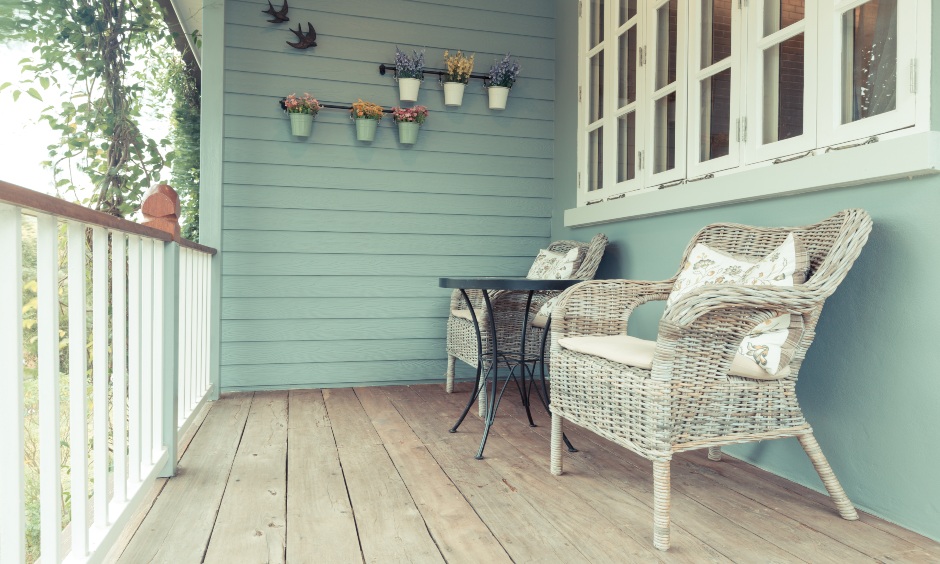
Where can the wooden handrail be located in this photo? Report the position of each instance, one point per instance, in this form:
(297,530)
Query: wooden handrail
(197,247)
(43,203)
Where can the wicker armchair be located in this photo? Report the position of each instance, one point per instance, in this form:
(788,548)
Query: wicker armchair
(685,398)
(508,308)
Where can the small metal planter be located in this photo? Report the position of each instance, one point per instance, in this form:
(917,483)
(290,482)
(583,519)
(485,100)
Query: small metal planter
(498,97)
(408,89)
(408,132)
(301,124)
(365,129)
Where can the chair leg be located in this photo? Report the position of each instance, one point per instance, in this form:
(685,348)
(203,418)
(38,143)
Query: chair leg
(557,435)
(451,364)
(661,501)
(481,398)
(714,453)
(836,493)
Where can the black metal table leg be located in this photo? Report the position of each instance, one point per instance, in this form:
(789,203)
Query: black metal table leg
(480,357)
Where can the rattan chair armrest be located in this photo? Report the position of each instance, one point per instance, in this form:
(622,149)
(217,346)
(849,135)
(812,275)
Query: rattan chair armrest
(603,307)
(796,299)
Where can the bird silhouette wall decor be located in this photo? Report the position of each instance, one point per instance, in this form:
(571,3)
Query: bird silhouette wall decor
(304,40)
(280,16)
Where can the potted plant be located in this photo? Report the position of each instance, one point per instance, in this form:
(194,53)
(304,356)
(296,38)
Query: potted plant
(302,110)
(503,75)
(459,69)
(409,120)
(367,117)
(409,71)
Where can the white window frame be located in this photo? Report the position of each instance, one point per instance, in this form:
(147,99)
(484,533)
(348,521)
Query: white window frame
(637,182)
(652,95)
(821,131)
(757,150)
(696,166)
(831,129)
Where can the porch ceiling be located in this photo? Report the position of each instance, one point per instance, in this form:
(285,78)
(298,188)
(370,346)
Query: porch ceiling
(189,15)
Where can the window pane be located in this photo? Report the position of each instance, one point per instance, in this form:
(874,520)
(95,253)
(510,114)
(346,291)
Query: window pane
(627,10)
(597,21)
(627,75)
(664,157)
(667,30)
(779,14)
(596,87)
(626,147)
(869,60)
(783,90)
(716,31)
(595,160)
(716,116)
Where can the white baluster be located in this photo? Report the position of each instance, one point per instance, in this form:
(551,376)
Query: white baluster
(146,355)
(157,338)
(99,285)
(119,362)
(78,365)
(13,483)
(50,437)
(133,358)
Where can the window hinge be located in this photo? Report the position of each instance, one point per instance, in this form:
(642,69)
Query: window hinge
(579,94)
(639,155)
(580,8)
(579,180)
(913,76)
(744,129)
(737,130)
(641,56)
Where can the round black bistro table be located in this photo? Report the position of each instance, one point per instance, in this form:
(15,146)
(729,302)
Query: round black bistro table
(514,361)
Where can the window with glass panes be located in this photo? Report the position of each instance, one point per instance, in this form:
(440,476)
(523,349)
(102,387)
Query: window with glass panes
(675,90)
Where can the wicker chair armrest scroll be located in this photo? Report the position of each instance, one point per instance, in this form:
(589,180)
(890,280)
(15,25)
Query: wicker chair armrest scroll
(796,300)
(603,307)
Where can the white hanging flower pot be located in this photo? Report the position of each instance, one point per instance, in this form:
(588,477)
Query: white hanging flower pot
(453,93)
(301,124)
(498,96)
(408,89)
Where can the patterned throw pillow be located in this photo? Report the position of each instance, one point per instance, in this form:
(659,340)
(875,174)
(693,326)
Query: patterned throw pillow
(784,266)
(550,265)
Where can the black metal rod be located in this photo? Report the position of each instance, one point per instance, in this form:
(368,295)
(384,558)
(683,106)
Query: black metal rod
(383,68)
(335,106)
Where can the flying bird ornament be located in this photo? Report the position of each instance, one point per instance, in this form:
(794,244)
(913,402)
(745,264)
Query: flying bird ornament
(305,40)
(280,16)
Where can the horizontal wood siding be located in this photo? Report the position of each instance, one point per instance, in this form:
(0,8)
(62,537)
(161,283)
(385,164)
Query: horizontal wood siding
(332,248)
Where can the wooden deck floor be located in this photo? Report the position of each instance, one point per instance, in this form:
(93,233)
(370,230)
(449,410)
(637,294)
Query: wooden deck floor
(372,475)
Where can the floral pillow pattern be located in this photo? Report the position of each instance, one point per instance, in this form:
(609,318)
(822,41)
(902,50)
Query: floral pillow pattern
(784,266)
(550,265)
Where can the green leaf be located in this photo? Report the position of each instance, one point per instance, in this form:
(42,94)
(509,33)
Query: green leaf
(34,93)
(16,95)
(44,81)
(5,85)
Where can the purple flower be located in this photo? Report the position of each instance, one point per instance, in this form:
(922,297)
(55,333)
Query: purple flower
(504,72)
(409,67)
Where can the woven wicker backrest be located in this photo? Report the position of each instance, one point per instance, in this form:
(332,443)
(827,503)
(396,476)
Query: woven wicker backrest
(832,244)
(593,253)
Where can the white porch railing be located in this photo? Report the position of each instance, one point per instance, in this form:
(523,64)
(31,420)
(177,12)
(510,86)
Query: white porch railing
(143,300)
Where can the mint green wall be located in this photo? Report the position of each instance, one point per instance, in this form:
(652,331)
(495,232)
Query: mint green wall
(869,386)
(331,249)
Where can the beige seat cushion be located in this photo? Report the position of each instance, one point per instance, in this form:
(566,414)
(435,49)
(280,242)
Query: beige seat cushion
(540,320)
(462,313)
(631,351)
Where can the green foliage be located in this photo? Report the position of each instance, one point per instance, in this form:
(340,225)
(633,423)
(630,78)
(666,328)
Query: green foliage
(103,55)
(184,135)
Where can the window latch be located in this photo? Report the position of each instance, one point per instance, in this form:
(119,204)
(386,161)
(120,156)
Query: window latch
(616,197)
(671,184)
(869,141)
(592,202)
(795,157)
(703,177)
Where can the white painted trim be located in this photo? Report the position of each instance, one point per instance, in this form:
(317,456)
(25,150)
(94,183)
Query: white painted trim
(905,156)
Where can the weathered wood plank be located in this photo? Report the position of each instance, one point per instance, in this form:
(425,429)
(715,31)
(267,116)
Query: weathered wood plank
(320,522)
(615,503)
(811,508)
(390,526)
(250,526)
(178,526)
(621,469)
(535,520)
(459,532)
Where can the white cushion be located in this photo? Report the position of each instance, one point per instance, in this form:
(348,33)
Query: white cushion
(549,265)
(624,349)
(784,266)
(462,313)
(541,318)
